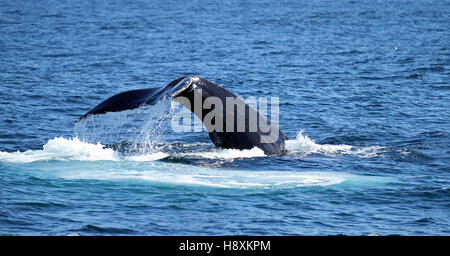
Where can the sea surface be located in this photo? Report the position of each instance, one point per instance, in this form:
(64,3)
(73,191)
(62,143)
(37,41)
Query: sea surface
(364,97)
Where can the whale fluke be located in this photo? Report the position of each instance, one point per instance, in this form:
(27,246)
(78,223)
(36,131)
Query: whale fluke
(242,127)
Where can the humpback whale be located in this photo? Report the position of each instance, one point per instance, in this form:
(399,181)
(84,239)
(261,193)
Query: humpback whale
(238,127)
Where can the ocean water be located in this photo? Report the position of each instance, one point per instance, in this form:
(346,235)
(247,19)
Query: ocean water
(364,99)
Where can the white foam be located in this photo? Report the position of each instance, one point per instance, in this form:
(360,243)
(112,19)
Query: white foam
(305,146)
(62,149)
(227,153)
(74,149)
(147,157)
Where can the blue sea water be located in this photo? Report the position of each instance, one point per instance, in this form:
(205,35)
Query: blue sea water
(364,99)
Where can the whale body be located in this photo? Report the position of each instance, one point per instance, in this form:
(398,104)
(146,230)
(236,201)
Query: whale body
(241,126)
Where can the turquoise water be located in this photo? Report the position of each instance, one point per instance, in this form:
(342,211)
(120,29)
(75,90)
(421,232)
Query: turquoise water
(364,100)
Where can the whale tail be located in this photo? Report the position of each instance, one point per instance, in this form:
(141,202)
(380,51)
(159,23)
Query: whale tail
(230,122)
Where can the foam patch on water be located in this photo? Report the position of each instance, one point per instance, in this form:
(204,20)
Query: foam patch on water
(147,157)
(246,179)
(304,145)
(227,153)
(168,174)
(162,173)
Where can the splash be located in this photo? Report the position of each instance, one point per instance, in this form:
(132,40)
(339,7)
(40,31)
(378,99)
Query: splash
(64,150)
(73,149)
(141,128)
(304,146)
